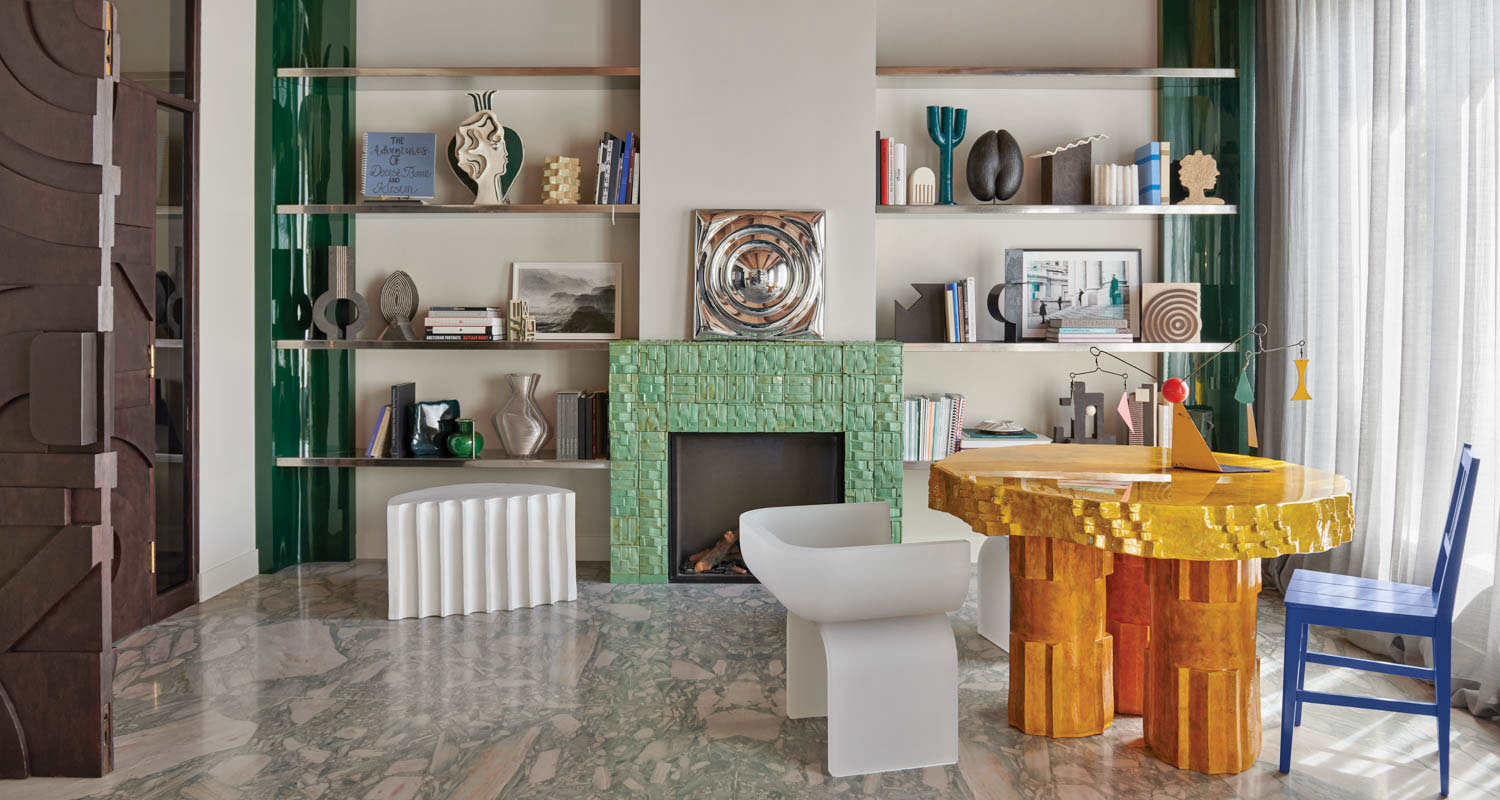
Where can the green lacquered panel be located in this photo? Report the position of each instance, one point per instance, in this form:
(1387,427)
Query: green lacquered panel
(304,154)
(658,388)
(1217,117)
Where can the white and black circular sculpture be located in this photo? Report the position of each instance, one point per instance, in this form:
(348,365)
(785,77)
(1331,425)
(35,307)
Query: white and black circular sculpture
(758,274)
(398,304)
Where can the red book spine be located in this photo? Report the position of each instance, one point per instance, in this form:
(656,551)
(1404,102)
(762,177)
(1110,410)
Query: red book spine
(885,160)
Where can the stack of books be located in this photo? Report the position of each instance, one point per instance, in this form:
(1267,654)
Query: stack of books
(464,324)
(890,172)
(973,439)
(582,425)
(1153,162)
(931,426)
(961,321)
(619,165)
(1089,329)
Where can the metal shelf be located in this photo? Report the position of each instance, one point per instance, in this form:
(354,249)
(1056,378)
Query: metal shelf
(1001,209)
(376,344)
(458,72)
(546,460)
(1063,347)
(628,210)
(1058,72)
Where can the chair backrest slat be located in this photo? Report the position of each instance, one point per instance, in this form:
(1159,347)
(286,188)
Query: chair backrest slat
(1455,530)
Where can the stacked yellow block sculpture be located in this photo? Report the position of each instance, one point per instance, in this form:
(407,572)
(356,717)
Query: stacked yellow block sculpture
(561,179)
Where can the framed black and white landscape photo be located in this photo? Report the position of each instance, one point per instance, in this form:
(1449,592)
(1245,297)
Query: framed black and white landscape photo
(570,299)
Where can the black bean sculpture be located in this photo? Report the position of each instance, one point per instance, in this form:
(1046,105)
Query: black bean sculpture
(994,167)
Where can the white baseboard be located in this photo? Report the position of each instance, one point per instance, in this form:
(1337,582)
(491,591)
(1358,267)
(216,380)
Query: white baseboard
(228,575)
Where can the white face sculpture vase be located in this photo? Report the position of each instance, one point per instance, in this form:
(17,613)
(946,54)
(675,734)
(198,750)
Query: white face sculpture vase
(482,156)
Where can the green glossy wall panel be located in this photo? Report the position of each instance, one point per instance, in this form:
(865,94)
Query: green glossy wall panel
(304,154)
(1217,117)
(657,388)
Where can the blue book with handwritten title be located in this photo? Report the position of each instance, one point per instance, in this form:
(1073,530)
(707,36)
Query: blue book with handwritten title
(398,165)
(1148,162)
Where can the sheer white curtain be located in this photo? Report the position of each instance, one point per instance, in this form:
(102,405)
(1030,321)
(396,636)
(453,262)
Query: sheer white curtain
(1379,166)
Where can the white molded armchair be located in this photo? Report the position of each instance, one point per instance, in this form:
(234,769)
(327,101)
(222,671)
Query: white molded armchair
(868,640)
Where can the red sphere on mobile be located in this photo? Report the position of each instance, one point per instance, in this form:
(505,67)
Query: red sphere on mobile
(1174,390)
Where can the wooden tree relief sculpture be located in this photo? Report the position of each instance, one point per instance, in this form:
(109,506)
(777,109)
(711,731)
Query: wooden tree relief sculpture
(1199,173)
(57,351)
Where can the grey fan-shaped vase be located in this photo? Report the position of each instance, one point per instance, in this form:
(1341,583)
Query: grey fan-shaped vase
(520,424)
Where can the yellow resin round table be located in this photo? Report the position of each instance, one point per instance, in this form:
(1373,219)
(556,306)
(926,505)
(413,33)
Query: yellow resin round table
(1179,612)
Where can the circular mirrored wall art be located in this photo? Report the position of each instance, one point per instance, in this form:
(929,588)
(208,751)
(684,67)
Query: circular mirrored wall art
(758,274)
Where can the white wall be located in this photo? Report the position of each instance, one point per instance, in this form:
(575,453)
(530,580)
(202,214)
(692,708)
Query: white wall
(226,286)
(757,105)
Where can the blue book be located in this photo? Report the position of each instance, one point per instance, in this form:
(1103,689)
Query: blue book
(398,165)
(1148,159)
(623,196)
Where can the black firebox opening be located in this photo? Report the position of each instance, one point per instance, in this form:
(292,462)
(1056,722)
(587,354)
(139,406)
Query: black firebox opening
(715,477)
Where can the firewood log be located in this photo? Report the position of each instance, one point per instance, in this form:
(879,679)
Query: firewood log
(713,555)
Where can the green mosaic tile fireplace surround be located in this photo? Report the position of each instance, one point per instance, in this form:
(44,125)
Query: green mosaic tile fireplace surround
(657,388)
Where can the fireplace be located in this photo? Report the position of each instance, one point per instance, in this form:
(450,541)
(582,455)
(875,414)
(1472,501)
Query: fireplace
(714,477)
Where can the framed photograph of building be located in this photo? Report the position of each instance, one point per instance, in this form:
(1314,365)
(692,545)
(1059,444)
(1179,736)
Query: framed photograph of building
(1043,286)
(570,300)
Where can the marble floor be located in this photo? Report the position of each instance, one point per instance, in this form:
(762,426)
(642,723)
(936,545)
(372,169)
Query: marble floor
(294,685)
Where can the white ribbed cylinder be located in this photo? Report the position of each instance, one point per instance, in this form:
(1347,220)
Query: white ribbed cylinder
(480,547)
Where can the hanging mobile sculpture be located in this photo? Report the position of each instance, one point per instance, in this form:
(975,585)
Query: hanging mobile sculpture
(1189,449)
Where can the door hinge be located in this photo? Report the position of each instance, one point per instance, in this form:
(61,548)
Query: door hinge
(153,556)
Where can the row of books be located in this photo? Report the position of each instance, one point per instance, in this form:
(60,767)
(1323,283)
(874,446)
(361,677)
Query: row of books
(960,314)
(464,324)
(391,437)
(1153,162)
(582,424)
(1089,329)
(890,172)
(619,163)
(931,426)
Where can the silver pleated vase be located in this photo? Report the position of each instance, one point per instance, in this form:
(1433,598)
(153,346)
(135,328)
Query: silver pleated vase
(522,428)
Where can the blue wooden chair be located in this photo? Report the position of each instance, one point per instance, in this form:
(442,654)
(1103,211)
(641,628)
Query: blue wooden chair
(1340,601)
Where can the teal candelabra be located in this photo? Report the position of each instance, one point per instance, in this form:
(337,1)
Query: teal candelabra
(946,127)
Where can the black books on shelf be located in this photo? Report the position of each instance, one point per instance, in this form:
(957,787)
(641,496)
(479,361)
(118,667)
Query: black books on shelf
(403,397)
(582,425)
(618,173)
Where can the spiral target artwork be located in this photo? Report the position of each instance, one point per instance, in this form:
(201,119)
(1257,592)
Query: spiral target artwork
(1170,312)
(758,274)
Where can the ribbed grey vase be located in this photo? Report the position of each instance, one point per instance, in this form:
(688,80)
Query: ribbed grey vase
(520,424)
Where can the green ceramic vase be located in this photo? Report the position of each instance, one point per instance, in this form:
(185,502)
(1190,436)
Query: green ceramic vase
(466,443)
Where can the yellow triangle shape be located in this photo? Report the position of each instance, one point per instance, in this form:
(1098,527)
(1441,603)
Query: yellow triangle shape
(1189,451)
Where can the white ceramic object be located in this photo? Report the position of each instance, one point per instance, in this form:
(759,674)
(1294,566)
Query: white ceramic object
(921,188)
(869,644)
(479,547)
(994,590)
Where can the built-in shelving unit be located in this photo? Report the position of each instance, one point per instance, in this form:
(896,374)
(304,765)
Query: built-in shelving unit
(377,344)
(1001,209)
(459,72)
(545,460)
(1062,347)
(578,210)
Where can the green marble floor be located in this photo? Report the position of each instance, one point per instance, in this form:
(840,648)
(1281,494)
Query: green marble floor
(295,685)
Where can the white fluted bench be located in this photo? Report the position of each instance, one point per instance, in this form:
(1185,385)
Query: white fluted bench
(479,547)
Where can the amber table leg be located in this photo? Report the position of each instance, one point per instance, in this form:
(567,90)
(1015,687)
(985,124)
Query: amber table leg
(1202,674)
(1061,681)
(1128,619)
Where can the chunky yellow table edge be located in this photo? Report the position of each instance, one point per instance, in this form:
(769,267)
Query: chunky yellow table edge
(1141,527)
(1170,634)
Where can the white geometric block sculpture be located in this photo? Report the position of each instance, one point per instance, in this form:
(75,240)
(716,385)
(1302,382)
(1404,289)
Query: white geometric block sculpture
(479,547)
(868,640)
